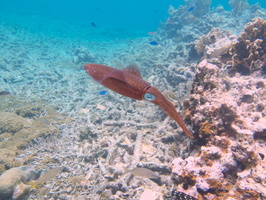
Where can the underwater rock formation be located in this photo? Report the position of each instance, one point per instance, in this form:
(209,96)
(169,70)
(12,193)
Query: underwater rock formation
(215,43)
(243,9)
(229,68)
(11,123)
(195,19)
(13,184)
(202,7)
(227,111)
(238,6)
(183,27)
(83,55)
(248,55)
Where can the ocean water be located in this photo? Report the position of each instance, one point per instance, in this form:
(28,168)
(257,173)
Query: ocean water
(118,18)
(113,19)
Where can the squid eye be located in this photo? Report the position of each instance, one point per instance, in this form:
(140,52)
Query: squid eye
(149,97)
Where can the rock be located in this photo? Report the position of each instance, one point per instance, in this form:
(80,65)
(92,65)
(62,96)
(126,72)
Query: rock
(9,180)
(21,191)
(82,54)
(223,110)
(11,123)
(215,43)
(149,194)
(30,111)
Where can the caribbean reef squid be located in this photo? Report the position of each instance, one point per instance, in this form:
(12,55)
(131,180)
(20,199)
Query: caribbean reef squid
(128,82)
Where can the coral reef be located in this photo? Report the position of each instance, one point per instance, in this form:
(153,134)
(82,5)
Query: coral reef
(97,136)
(183,27)
(248,55)
(227,112)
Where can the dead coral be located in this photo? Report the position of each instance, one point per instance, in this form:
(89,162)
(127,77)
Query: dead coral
(216,171)
(224,113)
(248,54)
(215,43)
(203,7)
(83,55)
(238,6)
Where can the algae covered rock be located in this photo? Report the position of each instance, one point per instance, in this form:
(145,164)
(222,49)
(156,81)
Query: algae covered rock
(11,123)
(16,132)
(30,111)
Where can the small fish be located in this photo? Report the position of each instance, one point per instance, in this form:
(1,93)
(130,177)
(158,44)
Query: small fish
(154,43)
(5,80)
(143,172)
(103,92)
(4,93)
(93,24)
(46,177)
(191,8)
(151,33)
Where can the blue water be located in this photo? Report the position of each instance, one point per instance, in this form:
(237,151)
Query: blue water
(69,18)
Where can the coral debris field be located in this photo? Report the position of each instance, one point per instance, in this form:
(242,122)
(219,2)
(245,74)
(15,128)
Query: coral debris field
(209,63)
